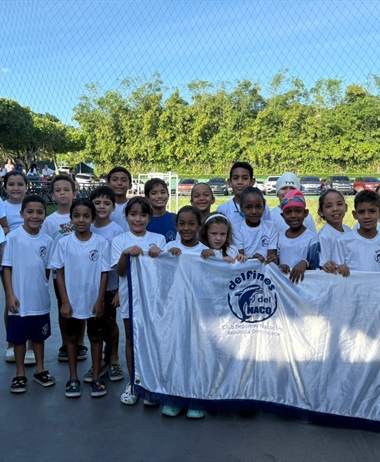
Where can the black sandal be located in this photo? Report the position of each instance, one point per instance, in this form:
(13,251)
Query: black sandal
(19,384)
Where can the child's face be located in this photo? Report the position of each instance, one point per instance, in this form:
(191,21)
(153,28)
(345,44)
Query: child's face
(34,215)
(294,216)
(367,215)
(16,189)
(81,218)
(334,209)
(103,206)
(158,197)
(253,209)
(217,235)
(119,183)
(137,220)
(240,179)
(202,198)
(63,193)
(188,227)
(284,191)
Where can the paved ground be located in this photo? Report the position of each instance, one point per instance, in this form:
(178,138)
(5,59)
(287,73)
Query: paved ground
(44,425)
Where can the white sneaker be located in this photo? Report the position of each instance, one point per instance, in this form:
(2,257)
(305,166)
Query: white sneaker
(149,403)
(10,355)
(128,397)
(29,359)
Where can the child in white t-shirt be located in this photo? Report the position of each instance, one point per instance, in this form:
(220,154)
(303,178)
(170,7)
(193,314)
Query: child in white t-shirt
(202,198)
(255,237)
(119,180)
(359,250)
(297,246)
(188,224)
(332,208)
(82,263)
(216,234)
(137,241)
(28,252)
(103,198)
(58,226)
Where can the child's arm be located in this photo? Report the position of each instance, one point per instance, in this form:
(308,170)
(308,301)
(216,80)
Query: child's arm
(4,225)
(298,271)
(241,257)
(98,308)
(11,302)
(259,257)
(134,251)
(47,271)
(330,267)
(344,270)
(66,308)
(175,251)
(154,251)
(272,257)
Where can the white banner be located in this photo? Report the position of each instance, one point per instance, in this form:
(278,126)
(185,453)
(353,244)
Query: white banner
(234,335)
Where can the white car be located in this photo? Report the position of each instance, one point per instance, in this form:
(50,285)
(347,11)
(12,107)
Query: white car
(87,178)
(136,187)
(270,184)
(260,184)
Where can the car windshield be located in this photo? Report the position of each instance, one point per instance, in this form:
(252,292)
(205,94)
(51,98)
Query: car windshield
(340,178)
(273,178)
(217,180)
(310,179)
(370,179)
(187,181)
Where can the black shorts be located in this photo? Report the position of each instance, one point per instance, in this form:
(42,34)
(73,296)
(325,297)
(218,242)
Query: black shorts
(109,309)
(57,294)
(95,327)
(20,329)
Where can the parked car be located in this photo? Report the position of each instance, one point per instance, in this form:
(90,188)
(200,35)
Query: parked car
(310,185)
(218,186)
(185,186)
(341,183)
(366,182)
(270,184)
(87,178)
(137,187)
(260,184)
(64,169)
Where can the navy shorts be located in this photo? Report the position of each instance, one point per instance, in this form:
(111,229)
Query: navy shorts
(20,329)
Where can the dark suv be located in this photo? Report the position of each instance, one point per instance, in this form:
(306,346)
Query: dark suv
(341,183)
(218,186)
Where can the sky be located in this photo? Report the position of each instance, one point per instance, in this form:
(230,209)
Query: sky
(50,49)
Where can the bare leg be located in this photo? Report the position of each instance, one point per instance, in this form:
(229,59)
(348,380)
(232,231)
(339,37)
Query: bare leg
(113,340)
(19,357)
(96,356)
(82,332)
(39,351)
(72,353)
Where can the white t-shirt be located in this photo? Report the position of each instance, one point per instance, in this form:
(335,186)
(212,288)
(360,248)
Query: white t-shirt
(13,215)
(118,216)
(2,209)
(29,256)
(276,217)
(122,242)
(84,261)
(196,249)
(257,240)
(359,253)
(303,247)
(109,232)
(232,251)
(357,226)
(327,243)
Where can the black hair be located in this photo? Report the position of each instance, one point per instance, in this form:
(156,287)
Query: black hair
(150,184)
(377,189)
(14,173)
(251,190)
(322,197)
(193,210)
(367,196)
(216,218)
(86,203)
(244,165)
(62,177)
(103,191)
(204,184)
(117,170)
(33,198)
(142,202)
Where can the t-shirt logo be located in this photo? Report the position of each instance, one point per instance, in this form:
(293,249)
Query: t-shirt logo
(264,241)
(377,256)
(43,251)
(93,255)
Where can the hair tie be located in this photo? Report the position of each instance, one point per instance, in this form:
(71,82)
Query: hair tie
(216,215)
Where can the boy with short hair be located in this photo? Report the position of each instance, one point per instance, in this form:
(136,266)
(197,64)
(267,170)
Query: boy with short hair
(241,177)
(27,257)
(119,180)
(103,198)
(162,222)
(58,225)
(287,182)
(359,249)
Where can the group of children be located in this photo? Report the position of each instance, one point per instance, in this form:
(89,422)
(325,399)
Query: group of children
(87,244)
